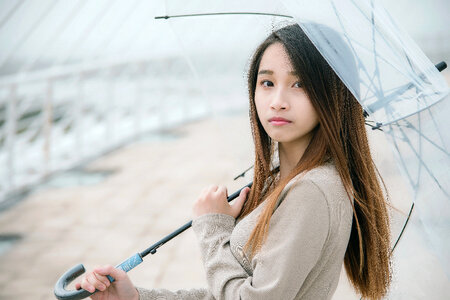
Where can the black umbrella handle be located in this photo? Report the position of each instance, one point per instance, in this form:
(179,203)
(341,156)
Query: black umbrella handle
(74,272)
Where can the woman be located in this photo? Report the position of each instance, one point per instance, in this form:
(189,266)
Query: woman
(322,207)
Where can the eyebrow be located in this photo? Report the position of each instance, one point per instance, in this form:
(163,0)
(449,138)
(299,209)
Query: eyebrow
(270,72)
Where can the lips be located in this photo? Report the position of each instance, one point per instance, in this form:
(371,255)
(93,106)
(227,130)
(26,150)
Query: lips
(279,121)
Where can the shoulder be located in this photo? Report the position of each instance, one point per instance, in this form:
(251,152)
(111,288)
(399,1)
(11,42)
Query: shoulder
(325,177)
(321,184)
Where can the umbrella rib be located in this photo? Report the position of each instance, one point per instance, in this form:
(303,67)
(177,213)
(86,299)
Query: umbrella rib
(376,90)
(10,13)
(413,113)
(359,8)
(369,90)
(410,125)
(393,93)
(399,70)
(369,87)
(349,41)
(223,13)
(377,69)
(439,133)
(356,42)
(419,120)
(422,162)
(401,158)
(421,76)
(403,228)
(350,44)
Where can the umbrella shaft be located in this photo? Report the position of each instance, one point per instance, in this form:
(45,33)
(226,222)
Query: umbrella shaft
(152,249)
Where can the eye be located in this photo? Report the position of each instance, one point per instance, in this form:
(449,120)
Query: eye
(298,84)
(266,83)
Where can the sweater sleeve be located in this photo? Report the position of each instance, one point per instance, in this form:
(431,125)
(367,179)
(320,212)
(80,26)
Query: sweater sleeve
(297,234)
(163,294)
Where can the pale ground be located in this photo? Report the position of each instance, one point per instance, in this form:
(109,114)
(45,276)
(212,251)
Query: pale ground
(147,197)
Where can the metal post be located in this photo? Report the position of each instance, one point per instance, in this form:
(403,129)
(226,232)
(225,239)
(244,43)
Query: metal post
(159,108)
(138,130)
(11,125)
(78,119)
(109,109)
(47,126)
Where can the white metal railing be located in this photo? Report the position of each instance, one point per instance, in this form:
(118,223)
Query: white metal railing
(58,118)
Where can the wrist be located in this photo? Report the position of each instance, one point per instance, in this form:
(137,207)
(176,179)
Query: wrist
(136,295)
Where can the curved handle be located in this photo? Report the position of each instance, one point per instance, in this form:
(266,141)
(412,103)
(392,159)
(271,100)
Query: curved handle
(60,286)
(66,278)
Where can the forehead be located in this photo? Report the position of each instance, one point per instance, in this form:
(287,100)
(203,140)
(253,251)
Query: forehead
(275,58)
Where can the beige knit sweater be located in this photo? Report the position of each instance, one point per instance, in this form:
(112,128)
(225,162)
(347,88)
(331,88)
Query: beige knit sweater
(301,258)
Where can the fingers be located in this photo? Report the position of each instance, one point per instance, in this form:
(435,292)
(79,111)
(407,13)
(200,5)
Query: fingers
(97,280)
(88,284)
(213,199)
(103,279)
(222,190)
(239,202)
(213,188)
(117,274)
(208,190)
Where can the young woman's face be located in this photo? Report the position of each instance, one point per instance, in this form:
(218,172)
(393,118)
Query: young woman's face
(283,107)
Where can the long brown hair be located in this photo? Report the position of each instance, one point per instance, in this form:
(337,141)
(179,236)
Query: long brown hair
(341,136)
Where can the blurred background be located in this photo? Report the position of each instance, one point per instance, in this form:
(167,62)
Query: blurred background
(108,132)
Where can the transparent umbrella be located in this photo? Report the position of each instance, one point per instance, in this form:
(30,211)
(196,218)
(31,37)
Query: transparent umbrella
(405,96)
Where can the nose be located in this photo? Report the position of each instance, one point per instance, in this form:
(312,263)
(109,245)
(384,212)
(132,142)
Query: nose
(279,100)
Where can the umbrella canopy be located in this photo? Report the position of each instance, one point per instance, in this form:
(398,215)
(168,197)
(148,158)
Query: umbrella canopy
(405,95)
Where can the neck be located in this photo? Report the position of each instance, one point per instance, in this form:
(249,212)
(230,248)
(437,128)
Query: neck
(290,154)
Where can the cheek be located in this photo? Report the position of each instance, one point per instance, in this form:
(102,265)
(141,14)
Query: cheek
(309,115)
(313,118)
(258,104)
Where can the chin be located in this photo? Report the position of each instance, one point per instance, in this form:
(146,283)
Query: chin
(281,139)
(286,138)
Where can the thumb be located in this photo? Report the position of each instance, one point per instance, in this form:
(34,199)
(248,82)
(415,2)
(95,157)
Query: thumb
(117,274)
(239,202)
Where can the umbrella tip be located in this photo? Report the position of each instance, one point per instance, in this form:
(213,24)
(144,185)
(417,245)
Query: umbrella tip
(441,66)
